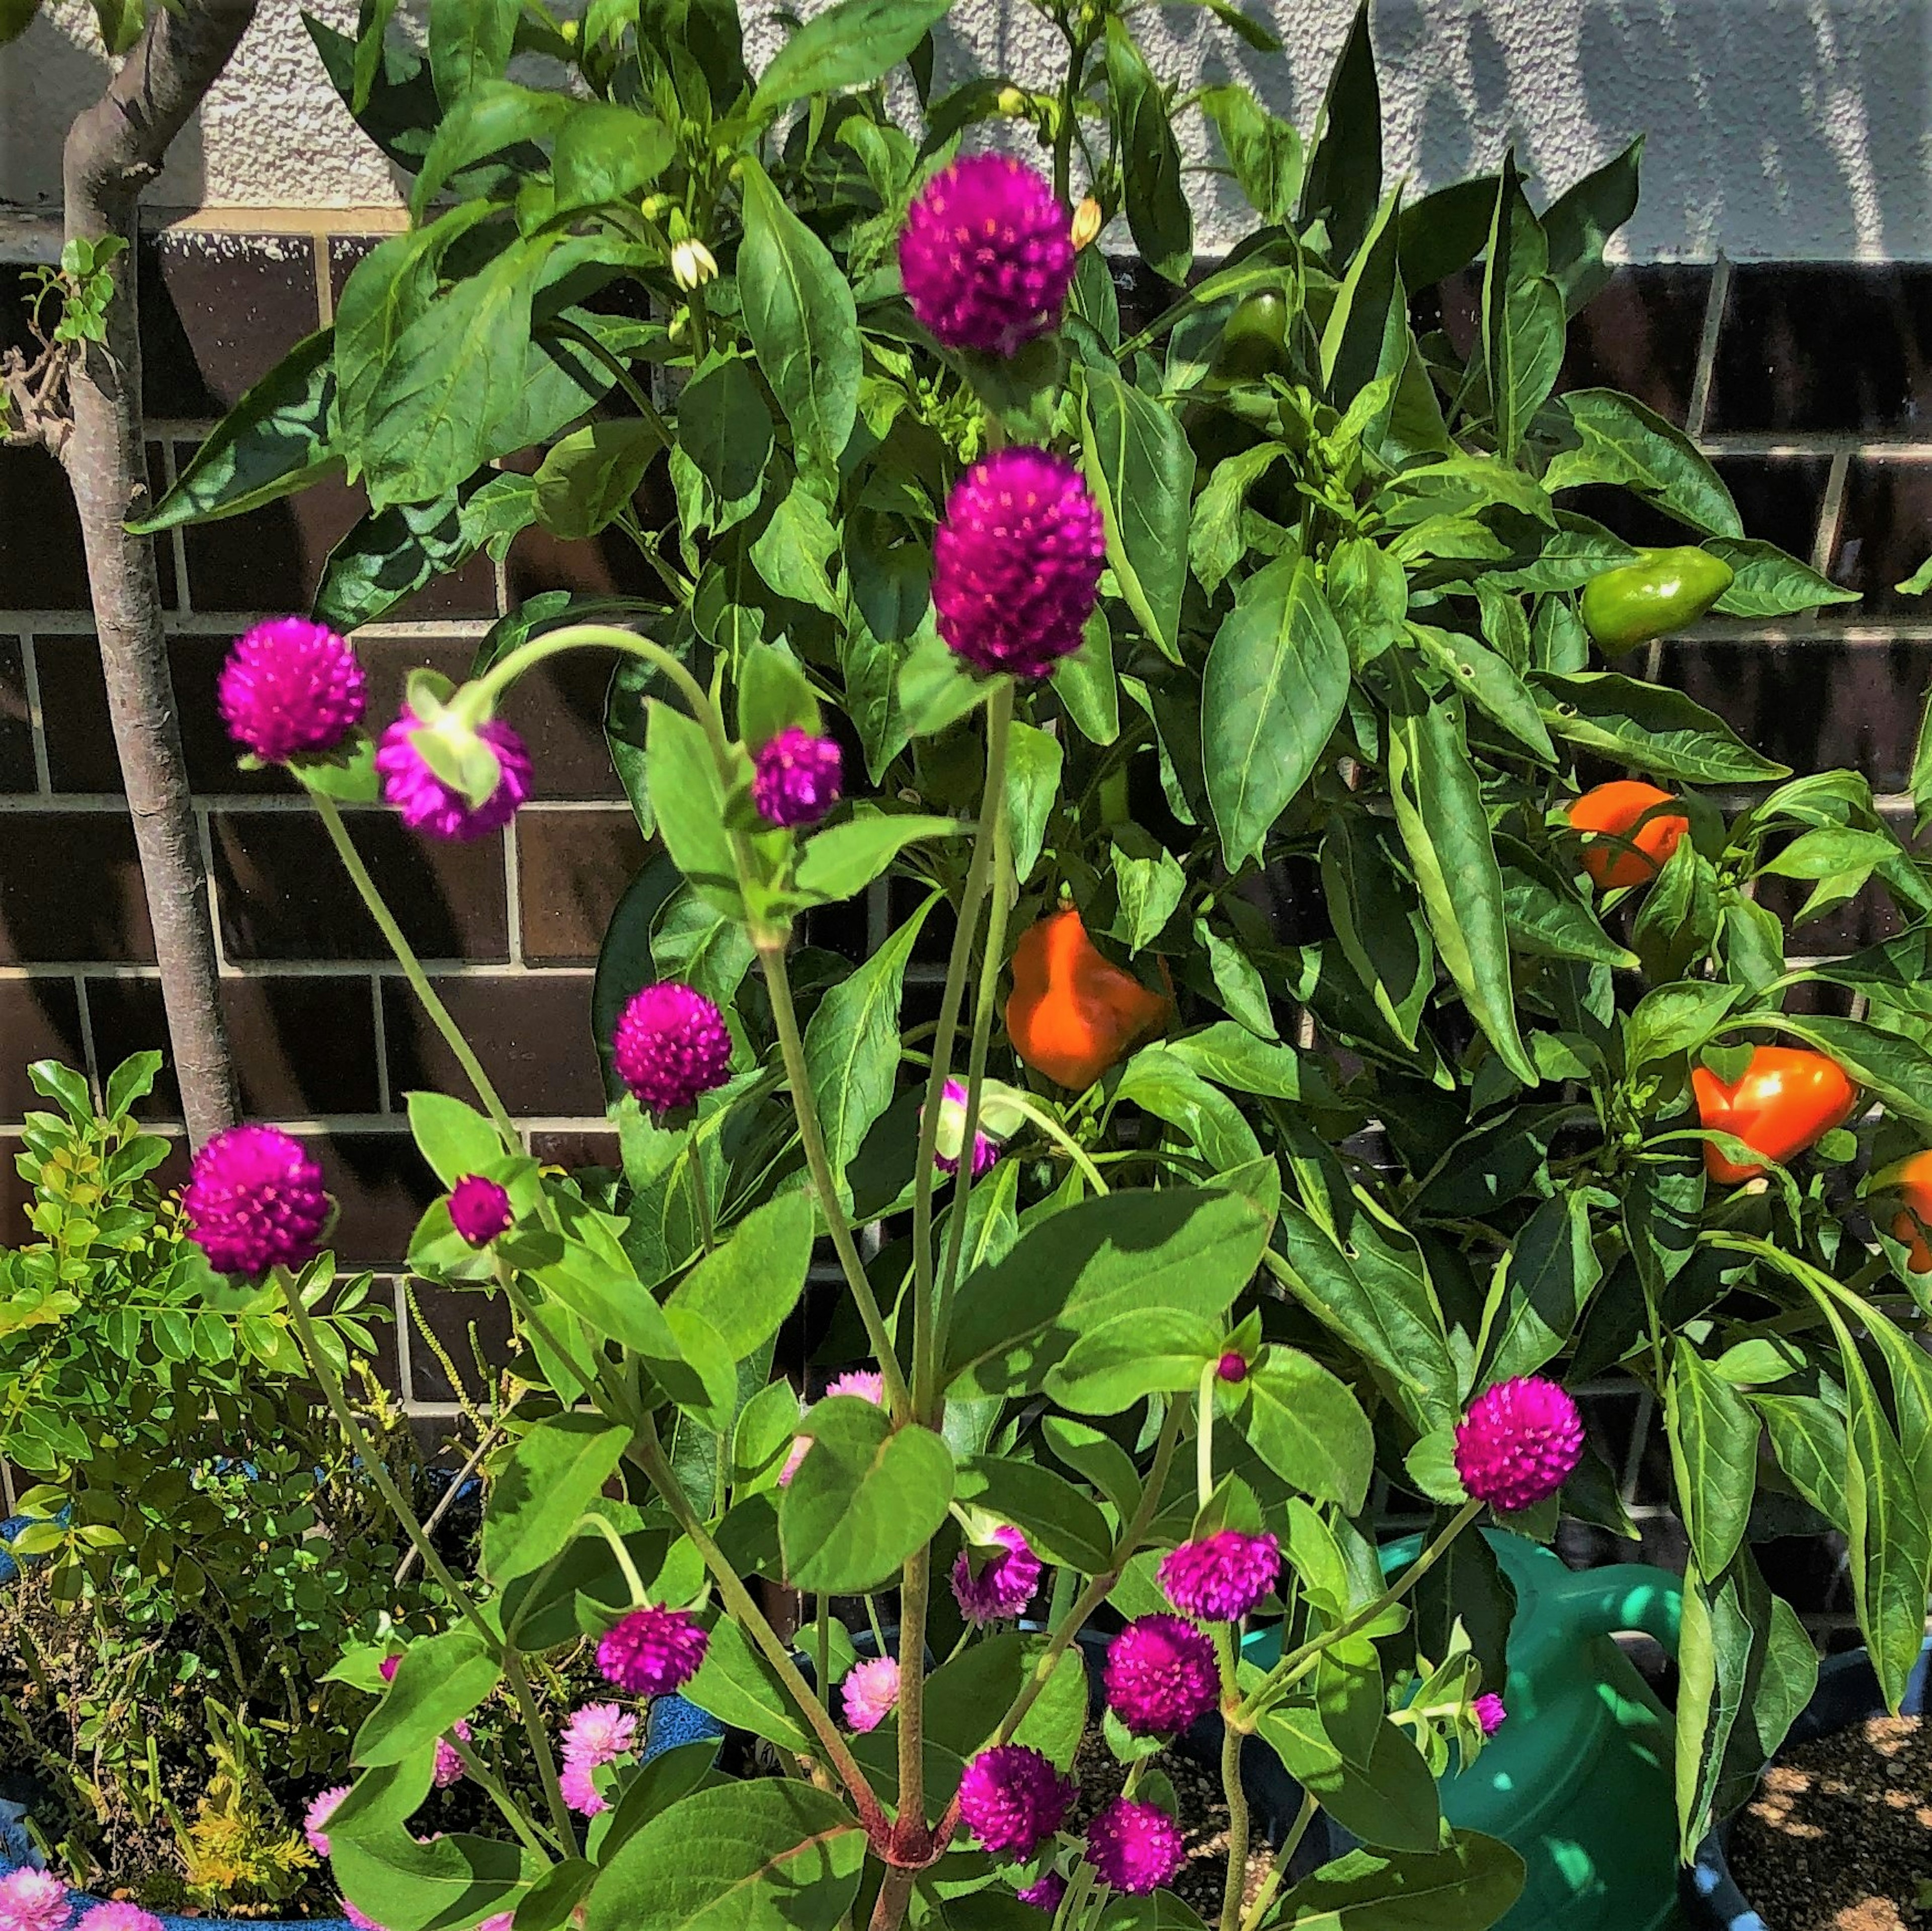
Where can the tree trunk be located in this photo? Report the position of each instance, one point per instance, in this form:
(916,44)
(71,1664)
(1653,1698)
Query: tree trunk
(114,150)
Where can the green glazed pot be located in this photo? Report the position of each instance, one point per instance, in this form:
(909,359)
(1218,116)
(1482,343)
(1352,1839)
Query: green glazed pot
(1579,1779)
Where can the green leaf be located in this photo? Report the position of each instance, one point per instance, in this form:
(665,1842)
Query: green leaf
(389,555)
(1552,1271)
(469,43)
(1438,809)
(1392,1803)
(1160,1084)
(723,426)
(1446,230)
(454,1139)
(1230,1056)
(273,443)
(1309,1429)
(688,804)
(840,862)
(1673,1019)
(1523,314)
(1489,682)
(492,115)
(848,45)
(1656,731)
(792,552)
(1183,1248)
(770,1853)
(852,1047)
(1150,883)
(1545,917)
(1158,214)
(1034,759)
(1274,689)
(1808,1438)
(1471,1883)
(1152,1351)
(1766,582)
(1714,1454)
(803,323)
(1378,921)
(1085,683)
(1264,153)
(605,153)
(1140,467)
(1344,181)
(551,1476)
(738,1686)
(420,1885)
(1622,442)
(1582,218)
(439,1680)
(1366,337)
(746,1287)
(1063,1525)
(863,1499)
(588,479)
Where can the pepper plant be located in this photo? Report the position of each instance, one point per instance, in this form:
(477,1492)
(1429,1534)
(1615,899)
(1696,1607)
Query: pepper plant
(1376,1059)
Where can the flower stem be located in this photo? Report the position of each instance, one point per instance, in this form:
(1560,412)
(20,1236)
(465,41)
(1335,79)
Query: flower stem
(1237,1797)
(418,979)
(1203,1436)
(915,1587)
(1063,1140)
(533,1726)
(478,1773)
(1272,1883)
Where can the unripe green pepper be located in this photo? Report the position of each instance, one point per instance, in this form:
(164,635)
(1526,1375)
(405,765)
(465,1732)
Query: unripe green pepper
(1663,591)
(1254,343)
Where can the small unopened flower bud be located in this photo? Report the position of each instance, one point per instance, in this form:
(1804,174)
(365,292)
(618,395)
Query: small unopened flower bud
(1088,220)
(653,206)
(692,265)
(1010,100)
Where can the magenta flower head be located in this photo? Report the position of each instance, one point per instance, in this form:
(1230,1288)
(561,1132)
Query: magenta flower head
(1136,1848)
(1012,1800)
(1046,1891)
(479,1209)
(316,1819)
(986,255)
(361,1919)
(1519,1443)
(671,1044)
(652,1651)
(1160,1675)
(1232,1367)
(427,805)
(1489,1713)
(33,1900)
(289,686)
(1006,1581)
(796,777)
(1016,562)
(871,1692)
(1223,1576)
(254,1200)
(119,1915)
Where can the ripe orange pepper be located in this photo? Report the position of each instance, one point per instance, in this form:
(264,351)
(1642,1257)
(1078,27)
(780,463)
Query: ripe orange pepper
(1071,1014)
(1912,1181)
(1614,809)
(1789,1099)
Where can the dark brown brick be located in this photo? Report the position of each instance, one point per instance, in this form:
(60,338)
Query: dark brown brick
(16,732)
(576,1151)
(559,708)
(303,1047)
(270,560)
(346,252)
(218,311)
(464,1326)
(532,1032)
(162,546)
(1817,704)
(80,899)
(572,868)
(40,1019)
(1779,498)
(284,895)
(1885,532)
(1819,347)
(42,563)
(1640,334)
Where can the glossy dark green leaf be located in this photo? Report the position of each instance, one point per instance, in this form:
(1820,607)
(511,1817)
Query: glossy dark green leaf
(1582,218)
(1545,916)
(723,426)
(1808,1438)
(848,45)
(1714,1435)
(1378,920)
(839,863)
(1490,682)
(605,152)
(746,1287)
(1659,731)
(1446,230)
(552,1475)
(389,555)
(1140,468)
(1158,214)
(1063,1525)
(492,114)
(1122,1361)
(1620,441)
(1523,314)
(1343,184)
(1086,684)
(1308,1428)
(1366,338)
(1263,152)
(689,802)
(738,1686)
(1552,1271)
(1470,1883)
(588,479)
(1766,582)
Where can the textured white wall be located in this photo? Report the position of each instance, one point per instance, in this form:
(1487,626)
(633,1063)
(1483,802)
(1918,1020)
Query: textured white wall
(1776,128)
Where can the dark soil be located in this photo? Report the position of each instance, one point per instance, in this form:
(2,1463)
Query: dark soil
(1840,1835)
(1203,1816)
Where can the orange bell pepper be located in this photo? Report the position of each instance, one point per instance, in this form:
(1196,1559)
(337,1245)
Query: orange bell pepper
(1911,1182)
(1072,1013)
(1620,854)
(1789,1099)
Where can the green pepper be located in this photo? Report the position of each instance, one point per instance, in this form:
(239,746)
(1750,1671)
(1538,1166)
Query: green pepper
(1663,591)
(1254,343)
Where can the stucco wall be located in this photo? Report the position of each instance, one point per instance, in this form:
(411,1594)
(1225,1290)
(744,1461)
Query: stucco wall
(1776,128)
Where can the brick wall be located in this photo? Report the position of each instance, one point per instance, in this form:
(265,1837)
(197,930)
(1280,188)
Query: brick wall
(1807,384)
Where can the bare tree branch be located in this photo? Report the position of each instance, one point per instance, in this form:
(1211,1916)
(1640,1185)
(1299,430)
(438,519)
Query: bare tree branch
(114,150)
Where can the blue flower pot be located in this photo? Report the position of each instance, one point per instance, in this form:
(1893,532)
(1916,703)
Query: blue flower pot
(1847,1693)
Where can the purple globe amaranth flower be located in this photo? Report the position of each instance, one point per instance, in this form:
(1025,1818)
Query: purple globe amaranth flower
(428,805)
(1012,1800)
(1489,1713)
(33,1900)
(1006,1581)
(479,1209)
(386,1669)
(1016,562)
(652,1651)
(671,1044)
(1046,1891)
(1160,1675)
(1232,1367)
(315,1820)
(796,777)
(950,1141)
(871,1692)
(1223,1576)
(117,1914)
(450,1769)
(986,255)
(255,1200)
(1136,1848)
(289,686)
(1519,1443)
